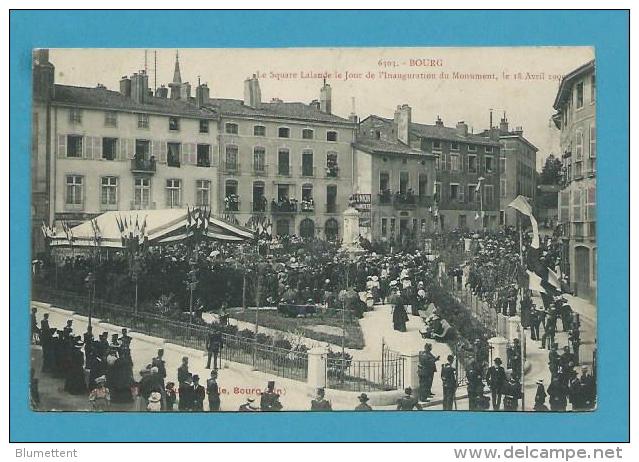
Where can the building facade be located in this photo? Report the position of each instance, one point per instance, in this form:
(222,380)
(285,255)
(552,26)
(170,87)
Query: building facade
(466,188)
(575,104)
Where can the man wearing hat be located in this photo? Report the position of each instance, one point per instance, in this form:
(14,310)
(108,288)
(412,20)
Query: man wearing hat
(249,406)
(426,371)
(496,379)
(449,383)
(320,403)
(540,397)
(213,391)
(515,359)
(199,393)
(363,403)
(214,345)
(270,401)
(408,402)
(185,393)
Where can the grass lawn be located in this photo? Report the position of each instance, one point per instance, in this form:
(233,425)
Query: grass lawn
(323,325)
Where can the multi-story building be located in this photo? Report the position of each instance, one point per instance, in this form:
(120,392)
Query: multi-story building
(575,118)
(517,170)
(462,162)
(96,150)
(396,182)
(288,163)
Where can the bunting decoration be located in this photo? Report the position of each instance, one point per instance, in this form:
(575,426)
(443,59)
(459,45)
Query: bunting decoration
(480,213)
(521,204)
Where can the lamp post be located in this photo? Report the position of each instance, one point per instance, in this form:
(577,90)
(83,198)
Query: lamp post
(90,284)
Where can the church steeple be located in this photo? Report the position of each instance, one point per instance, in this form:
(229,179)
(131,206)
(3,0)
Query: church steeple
(177,78)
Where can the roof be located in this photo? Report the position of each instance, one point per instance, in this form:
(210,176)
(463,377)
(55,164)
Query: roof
(443,133)
(278,110)
(567,81)
(100,97)
(375,146)
(520,137)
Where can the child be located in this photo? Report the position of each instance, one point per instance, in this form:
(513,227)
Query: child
(170,396)
(100,397)
(155,402)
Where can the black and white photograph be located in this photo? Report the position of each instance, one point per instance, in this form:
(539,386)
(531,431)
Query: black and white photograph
(313,229)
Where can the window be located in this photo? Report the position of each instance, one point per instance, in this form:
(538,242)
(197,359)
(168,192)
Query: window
(579,90)
(109,148)
(462,221)
(472,193)
(282,227)
(109,192)
(488,149)
(438,191)
(308,204)
(142,149)
(502,165)
(422,185)
(75,116)
(454,191)
(284,132)
(472,148)
(488,162)
(110,119)
(283,166)
(307,228)
(392,227)
(576,205)
(259,159)
(231,128)
(438,163)
(454,162)
(331,229)
(332,168)
(592,89)
(503,188)
(231,198)
(454,146)
(173,193)
(384,182)
(259,201)
(331,136)
(231,158)
(307,163)
(74,190)
(384,226)
(472,164)
(502,217)
(488,194)
(173,154)
(592,153)
(331,198)
(590,205)
(202,188)
(143,121)
(203,155)
(74,146)
(259,130)
(437,145)
(579,144)
(174,124)
(403,182)
(204,126)
(142,193)
(307,134)
(378,134)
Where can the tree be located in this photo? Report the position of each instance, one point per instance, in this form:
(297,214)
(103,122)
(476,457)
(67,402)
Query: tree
(551,171)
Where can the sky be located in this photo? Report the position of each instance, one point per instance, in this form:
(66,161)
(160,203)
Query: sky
(453,83)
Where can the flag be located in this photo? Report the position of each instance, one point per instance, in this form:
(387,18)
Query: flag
(520,203)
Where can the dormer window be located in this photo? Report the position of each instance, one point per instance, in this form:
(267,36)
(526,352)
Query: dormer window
(284,132)
(174,124)
(454,146)
(204,126)
(331,136)
(110,119)
(231,128)
(307,134)
(259,130)
(75,116)
(437,145)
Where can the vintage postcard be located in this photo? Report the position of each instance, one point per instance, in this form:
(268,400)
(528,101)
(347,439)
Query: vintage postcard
(317,229)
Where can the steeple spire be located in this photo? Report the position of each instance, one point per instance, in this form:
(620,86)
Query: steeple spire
(177,78)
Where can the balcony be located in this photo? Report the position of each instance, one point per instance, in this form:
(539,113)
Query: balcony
(385,197)
(259,206)
(284,206)
(231,168)
(140,165)
(332,171)
(404,201)
(307,171)
(307,206)
(232,203)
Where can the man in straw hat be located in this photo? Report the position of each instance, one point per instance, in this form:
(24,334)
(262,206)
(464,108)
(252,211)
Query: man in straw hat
(363,403)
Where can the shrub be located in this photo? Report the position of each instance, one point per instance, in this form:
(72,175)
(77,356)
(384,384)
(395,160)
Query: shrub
(282,343)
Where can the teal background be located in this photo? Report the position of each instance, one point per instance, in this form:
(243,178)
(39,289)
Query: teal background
(608,31)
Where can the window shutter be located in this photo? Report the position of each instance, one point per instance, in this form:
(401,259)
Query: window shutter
(188,153)
(87,147)
(62,146)
(156,147)
(460,193)
(97,147)
(448,162)
(162,157)
(130,148)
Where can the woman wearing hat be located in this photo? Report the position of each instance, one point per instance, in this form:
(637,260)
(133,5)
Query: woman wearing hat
(363,403)
(100,397)
(155,402)
(400,317)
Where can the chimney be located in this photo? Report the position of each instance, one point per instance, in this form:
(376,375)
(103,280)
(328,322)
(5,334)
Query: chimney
(139,87)
(162,92)
(43,75)
(439,122)
(519,131)
(462,128)
(503,126)
(325,98)
(315,104)
(252,92)
(402,122)
(201,95)
(185,91)
(125,86)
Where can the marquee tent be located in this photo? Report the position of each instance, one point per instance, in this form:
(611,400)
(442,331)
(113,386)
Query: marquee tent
(157,226)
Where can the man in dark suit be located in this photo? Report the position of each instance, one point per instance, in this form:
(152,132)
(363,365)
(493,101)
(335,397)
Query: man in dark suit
(449,383)
(46,340)
(320,403)
(270,401)
(496,379)
(214,345)
(408,402)
(199,394)
(426,371)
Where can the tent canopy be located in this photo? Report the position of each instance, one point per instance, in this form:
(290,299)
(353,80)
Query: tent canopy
(159,226)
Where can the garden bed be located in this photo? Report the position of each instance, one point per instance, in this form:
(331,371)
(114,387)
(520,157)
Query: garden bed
(310,326)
